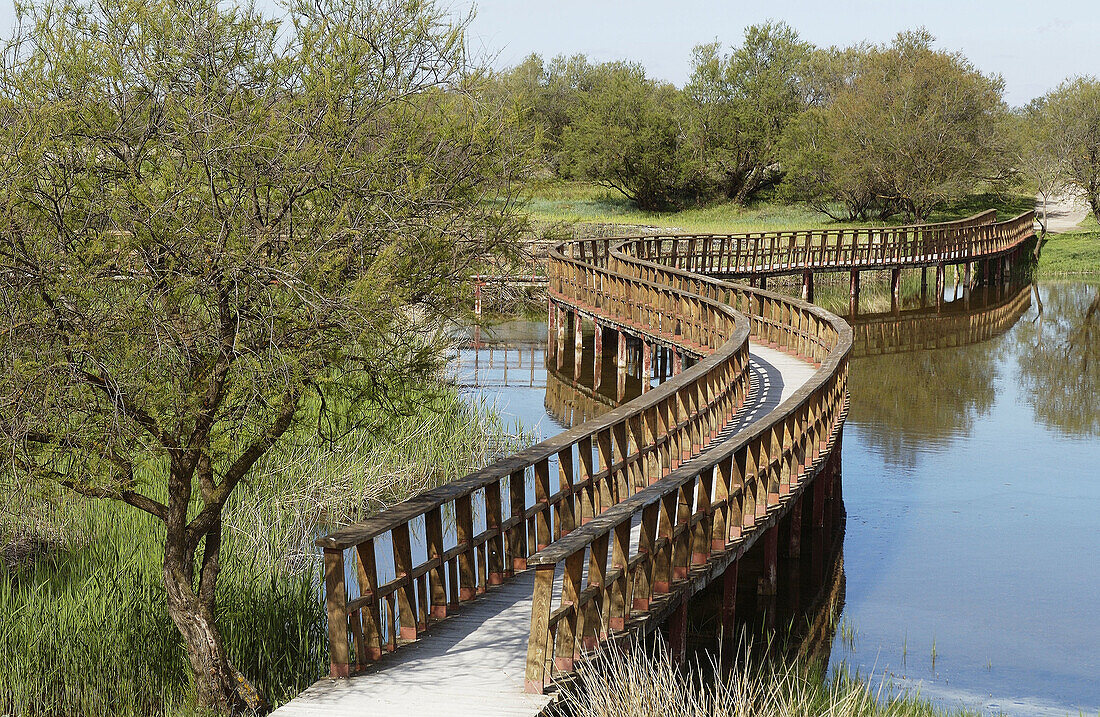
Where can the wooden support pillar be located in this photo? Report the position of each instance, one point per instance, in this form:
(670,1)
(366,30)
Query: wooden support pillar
(940,283)
(794,539)
(563,319)
(853,292)
(923,285)
(578,345)
(677,632)
(677,362)
(336,602)
(551,330)
(729,605)
(621,366)
(647,365)
(763,282)
(769,581)
(808,286)
(895,288)
(597,355)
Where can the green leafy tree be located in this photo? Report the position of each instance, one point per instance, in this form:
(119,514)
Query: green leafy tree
(208,216)
(741,104)
(547,94)
(626,132)
(1067,136)
(915,126)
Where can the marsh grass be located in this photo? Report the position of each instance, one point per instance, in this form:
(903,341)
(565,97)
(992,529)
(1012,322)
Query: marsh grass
(83,625)
(643,682)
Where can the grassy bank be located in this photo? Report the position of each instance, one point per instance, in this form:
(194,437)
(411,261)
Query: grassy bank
(644,683)
(584,203)
(83,624)
(1076,252)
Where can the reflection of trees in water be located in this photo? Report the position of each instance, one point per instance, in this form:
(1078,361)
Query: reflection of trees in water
(905,403)
(1058,356)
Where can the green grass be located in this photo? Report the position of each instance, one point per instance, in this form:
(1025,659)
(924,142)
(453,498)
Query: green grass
(582,203)
(84,629)
(568,202)
(1075,253)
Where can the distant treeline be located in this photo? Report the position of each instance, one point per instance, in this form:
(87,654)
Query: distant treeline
(865,132)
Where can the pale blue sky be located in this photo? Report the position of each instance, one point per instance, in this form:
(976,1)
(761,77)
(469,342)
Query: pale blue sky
(1033,45)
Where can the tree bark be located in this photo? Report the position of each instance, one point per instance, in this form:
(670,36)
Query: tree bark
(219,686)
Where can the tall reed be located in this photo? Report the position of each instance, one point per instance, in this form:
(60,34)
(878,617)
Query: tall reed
(83,625)
(642,681)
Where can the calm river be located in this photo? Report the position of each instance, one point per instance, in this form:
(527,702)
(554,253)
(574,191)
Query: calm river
(972,488)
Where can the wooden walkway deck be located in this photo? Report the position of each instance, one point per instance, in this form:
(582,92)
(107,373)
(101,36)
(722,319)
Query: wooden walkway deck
(473,663)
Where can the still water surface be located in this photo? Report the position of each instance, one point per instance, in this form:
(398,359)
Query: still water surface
(972,487)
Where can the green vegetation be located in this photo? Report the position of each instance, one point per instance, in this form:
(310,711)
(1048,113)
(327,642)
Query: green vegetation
(1066,137)
(84,627)
(863,133)
(576,202)
(645,683)
(220,229)
(1073,253)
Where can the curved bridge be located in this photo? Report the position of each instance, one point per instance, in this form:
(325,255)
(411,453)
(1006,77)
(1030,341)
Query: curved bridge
(489,589)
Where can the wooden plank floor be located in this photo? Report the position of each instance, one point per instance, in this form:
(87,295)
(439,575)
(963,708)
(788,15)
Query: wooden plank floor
(472,663)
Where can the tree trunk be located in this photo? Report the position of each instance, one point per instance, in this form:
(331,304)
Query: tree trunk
(219,686)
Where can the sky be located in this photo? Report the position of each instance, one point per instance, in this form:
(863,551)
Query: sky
(1032,45)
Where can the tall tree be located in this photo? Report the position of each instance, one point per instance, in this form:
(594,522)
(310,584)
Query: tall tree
(742,102)
(1068,122)
(626,132)
(206,216)
(917,126)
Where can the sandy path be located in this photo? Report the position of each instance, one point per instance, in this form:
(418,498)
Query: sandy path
(1063,213)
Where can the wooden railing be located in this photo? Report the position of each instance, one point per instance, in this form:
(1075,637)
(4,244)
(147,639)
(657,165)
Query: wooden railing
(599,464)
(778,252)
(708,511)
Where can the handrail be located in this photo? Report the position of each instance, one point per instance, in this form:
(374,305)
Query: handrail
(785,252)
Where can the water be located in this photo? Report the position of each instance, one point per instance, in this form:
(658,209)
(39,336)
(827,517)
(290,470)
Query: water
(972,488)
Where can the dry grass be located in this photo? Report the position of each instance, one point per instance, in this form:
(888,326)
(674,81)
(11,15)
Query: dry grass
(643,682)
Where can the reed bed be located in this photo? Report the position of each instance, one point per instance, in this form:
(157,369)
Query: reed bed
(642,681)
(83,625)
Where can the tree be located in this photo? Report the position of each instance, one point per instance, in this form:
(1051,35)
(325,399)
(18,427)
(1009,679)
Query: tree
(626,132)
(1035,157)
(742,102)
(209,218)
(1068,122)
(916,126)
(547,94)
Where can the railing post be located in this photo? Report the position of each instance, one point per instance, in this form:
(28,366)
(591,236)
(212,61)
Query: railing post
(539,645)
(336,604)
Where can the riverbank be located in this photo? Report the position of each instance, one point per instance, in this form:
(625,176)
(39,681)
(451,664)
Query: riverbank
(84,629)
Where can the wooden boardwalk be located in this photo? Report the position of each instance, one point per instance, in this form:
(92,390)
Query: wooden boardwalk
(473,663)
(477,596)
